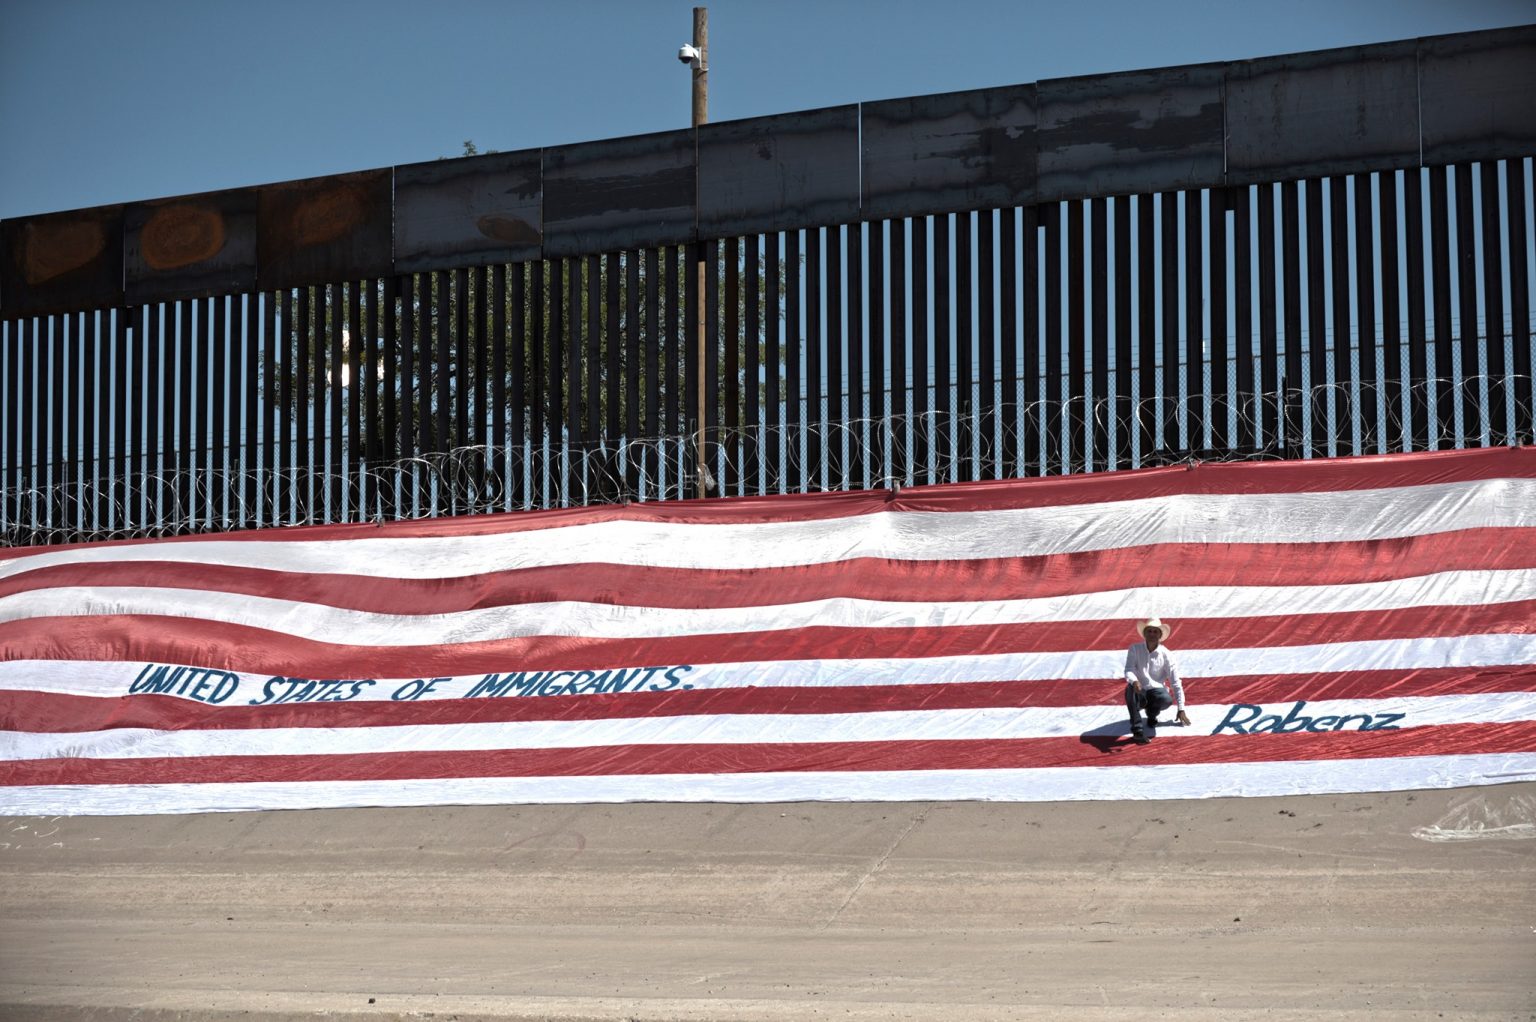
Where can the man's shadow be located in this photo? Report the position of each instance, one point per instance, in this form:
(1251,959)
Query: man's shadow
(1116,737)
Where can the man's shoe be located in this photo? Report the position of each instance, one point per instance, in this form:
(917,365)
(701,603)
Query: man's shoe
(1151,723)
(1140,737)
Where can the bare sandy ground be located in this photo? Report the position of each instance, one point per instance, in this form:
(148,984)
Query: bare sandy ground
(1405,905)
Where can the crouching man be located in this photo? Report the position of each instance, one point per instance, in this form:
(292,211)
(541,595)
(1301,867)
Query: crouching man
(1149,673)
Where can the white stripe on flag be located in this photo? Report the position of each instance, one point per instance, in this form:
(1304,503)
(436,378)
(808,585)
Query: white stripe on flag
(112,678)
(607,621)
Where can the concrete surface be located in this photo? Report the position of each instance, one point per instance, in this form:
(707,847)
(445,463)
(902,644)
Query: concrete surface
(1387,906)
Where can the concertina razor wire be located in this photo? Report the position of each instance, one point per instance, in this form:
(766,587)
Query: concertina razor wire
(97,501)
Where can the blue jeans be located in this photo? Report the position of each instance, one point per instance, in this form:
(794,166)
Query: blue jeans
(1153,700)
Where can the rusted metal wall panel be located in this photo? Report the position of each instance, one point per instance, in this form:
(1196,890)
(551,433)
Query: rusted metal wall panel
(324,229)
(62,261)
(949,152)
(1477,95)
(779,173)
(483,209)
(1330,112)
(1119,134)
(621,193)
(191,246)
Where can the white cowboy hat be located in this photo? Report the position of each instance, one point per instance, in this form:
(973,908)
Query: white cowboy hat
(1153,622)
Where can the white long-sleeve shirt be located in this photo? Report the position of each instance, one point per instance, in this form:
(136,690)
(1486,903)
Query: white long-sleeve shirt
(1154,670)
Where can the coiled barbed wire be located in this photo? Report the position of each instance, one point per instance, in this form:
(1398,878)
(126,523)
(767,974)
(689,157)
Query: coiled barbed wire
(973,440)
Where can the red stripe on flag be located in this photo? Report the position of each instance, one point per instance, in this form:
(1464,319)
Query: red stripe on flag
(1190,564)
(800,757)
(231,647)
(1322,475)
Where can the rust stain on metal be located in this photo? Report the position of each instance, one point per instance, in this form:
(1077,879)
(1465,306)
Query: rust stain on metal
(327,216)
(180,235)
(50,250)
(510,230)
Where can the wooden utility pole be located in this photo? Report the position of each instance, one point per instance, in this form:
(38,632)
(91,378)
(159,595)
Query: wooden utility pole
(701,73)
(701,333)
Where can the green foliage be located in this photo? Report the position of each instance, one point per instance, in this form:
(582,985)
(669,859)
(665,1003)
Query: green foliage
(470,149)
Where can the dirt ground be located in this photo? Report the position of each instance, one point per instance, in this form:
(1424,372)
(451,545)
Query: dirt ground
(1386,906)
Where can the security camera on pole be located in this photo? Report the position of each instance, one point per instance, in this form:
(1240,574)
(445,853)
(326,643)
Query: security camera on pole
(696,56)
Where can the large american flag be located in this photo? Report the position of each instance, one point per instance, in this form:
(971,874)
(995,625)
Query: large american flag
(1340,625)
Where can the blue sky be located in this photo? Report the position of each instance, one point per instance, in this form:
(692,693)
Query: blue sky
(109,100)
